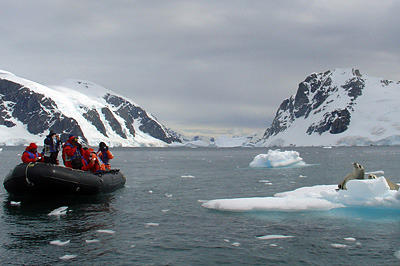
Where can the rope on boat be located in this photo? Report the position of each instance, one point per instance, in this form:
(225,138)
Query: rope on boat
(31,164)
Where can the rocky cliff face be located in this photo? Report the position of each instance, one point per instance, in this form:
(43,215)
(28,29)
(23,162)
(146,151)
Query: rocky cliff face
(35,109)
(326,105)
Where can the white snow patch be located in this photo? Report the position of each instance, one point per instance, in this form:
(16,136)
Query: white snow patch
(359,193)
(277,159)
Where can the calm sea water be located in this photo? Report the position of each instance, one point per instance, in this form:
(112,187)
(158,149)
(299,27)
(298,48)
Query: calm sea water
(157,219)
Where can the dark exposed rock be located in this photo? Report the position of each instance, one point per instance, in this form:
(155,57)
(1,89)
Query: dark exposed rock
(130,112)
(36,111)
(335,122)
(94,117)
(113,122)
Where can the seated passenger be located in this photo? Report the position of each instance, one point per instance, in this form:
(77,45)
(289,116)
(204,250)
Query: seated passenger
(105,155)
(92,162)
(30,155)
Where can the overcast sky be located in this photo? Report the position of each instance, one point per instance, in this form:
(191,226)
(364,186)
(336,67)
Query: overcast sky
(201,67)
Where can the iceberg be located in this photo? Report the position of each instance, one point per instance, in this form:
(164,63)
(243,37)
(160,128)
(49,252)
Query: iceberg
(360,193)
(278,159)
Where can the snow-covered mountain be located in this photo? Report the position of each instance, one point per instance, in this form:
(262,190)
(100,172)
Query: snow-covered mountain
(28,111)
(339,107)
(219,142)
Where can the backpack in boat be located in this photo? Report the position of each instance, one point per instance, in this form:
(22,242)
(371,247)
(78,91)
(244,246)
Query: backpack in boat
(77,163)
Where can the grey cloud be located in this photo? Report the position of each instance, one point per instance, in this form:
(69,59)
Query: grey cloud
(203,63)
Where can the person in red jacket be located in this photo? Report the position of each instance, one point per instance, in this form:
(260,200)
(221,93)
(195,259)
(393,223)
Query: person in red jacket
(30,155)
(72,153)
(92,162)
(105,155)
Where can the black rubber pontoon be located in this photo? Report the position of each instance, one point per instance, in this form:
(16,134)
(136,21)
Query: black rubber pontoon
(42,179)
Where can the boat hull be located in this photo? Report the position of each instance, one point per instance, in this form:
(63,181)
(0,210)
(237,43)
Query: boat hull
(44,179)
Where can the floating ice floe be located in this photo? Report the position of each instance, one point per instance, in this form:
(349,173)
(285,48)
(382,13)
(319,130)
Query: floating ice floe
(89,241)
(335,245)
(268,237)
(277,159)
(59,211)
(151,224)
(15,203)
(106,231)
(397,254)
(59,242)
(359,193)
(68,257)
(187,176)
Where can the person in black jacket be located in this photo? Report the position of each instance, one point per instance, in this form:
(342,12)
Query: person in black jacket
(51,148)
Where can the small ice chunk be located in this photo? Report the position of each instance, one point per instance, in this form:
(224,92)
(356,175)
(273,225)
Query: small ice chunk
(302,176)
(68,257)
(273,245)
(278,159)
(59,242)
(168,195)
(59,211)
(267,237)
(349,239)
(336,245)
(150,191)
(187,176)
(227,240)
(106,231)
(151,224)
(236,244)
(15,203)
(166,210)
(133,246)
(397,254)
(89,241)
(263,181)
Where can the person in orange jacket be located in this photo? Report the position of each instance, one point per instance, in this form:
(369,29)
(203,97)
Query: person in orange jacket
(92,162)
(30,155)
(72,153)
(105,155)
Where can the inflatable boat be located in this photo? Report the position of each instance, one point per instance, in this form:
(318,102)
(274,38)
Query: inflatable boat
(45,179)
